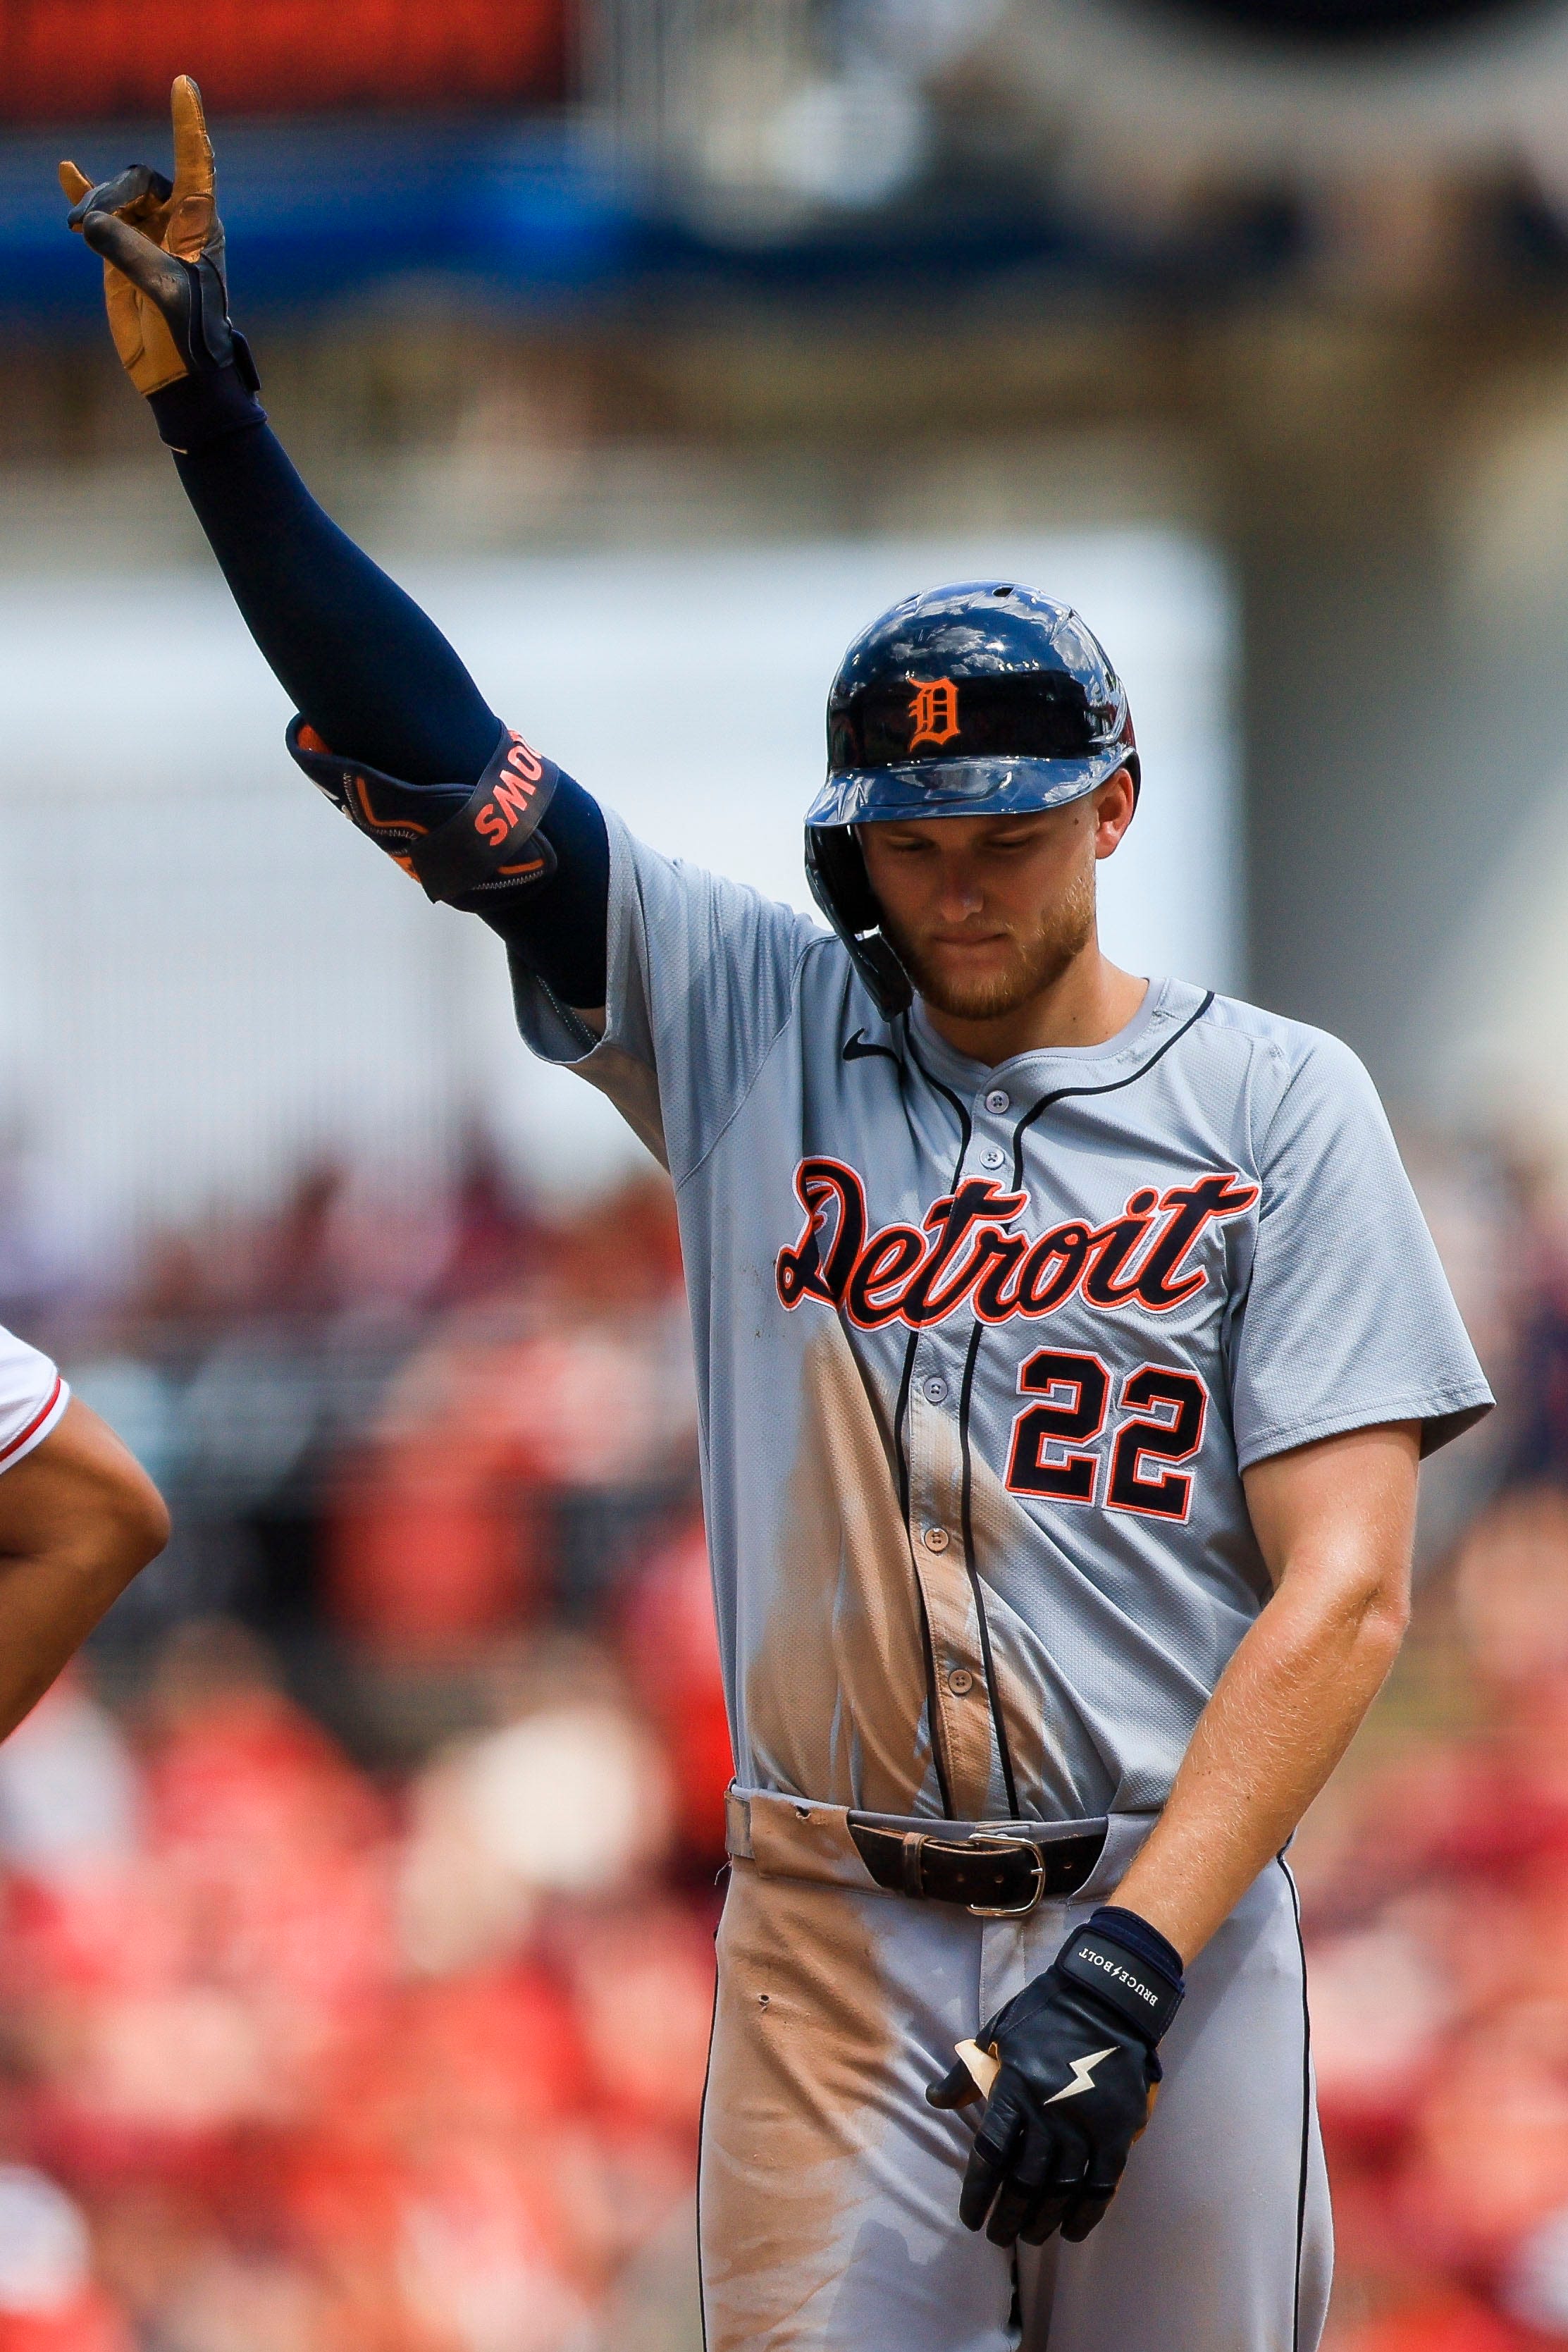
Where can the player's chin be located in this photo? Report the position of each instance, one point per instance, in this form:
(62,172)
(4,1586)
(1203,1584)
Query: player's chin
(956,987)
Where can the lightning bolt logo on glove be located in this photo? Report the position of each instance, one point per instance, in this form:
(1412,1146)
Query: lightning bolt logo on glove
(1082,2075)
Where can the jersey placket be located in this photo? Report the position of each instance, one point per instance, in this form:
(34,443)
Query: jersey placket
(936,1545)
(938,1537)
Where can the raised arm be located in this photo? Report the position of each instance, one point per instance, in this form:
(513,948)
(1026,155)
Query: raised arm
(390,725)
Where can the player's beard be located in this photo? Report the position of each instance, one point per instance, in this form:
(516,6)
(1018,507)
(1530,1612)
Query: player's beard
(1036,962)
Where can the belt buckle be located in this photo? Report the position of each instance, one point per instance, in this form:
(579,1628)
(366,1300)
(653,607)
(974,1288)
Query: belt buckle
(1013,1910)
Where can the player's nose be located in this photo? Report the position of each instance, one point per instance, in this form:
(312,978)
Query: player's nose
(959,893)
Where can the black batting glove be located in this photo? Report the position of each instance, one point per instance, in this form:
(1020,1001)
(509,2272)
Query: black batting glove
(1078,2074)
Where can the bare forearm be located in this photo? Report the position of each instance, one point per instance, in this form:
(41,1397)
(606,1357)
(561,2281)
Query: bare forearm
(1335,1523)
(48,1608)
(78,1518)
(1283,1714)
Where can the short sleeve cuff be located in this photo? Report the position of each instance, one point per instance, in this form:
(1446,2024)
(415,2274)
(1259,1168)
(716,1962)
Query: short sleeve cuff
(1443,1413)
(22,1430)
(621,1063)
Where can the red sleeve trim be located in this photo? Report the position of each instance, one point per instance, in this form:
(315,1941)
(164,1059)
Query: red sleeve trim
(35,1424)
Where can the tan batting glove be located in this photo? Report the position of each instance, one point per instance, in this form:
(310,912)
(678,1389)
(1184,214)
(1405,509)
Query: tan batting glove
(162,244)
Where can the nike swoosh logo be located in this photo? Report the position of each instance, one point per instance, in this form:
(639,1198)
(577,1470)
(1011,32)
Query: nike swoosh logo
(1082,2075)
(857,1050)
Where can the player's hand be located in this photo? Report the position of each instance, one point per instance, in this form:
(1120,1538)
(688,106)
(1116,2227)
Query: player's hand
(1075,2087)
(162,244)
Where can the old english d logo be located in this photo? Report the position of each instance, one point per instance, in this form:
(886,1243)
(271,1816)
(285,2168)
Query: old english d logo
(934,709)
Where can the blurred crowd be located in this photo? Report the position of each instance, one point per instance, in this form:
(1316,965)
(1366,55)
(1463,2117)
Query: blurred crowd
(357,1888)
(1434,1875)
(357,1891)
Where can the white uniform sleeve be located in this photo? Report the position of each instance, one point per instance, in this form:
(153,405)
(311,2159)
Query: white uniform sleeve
(32,1399)
(1348,1319)
(702,974)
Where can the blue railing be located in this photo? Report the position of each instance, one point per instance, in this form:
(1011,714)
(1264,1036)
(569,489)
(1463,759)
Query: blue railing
(317,210)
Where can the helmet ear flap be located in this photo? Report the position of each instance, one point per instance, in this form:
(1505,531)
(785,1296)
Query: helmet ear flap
(836,870)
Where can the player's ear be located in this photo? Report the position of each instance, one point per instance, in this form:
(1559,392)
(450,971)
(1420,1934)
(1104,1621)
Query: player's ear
(1113,805)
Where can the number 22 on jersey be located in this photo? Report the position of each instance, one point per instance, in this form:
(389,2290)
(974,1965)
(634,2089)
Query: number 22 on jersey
(1061,1448)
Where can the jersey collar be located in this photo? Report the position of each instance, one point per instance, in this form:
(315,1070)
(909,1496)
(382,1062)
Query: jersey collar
(1166,1003)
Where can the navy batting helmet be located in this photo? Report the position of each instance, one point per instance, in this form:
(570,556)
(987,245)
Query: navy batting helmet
(982,700)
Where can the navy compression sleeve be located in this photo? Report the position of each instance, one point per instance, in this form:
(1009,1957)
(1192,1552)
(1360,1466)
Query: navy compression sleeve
(369,671)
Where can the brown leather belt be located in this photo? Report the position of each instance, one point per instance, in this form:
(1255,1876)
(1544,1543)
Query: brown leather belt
(1000,1878)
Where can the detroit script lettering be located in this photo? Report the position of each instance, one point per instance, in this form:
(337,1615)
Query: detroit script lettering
(965,1252)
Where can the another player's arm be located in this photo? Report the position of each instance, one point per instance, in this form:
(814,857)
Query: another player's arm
(391,727)
(1336,1523)
(78,1518)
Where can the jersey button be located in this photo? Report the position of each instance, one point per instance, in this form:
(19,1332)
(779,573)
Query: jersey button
(999,1100)
(960,1681)
(992,1155)
(935,1390)
(936,1539)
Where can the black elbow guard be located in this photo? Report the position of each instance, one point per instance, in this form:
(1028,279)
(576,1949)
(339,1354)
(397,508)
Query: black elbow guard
(464,844)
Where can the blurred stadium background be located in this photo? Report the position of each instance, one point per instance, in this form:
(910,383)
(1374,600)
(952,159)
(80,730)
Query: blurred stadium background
(355,1893)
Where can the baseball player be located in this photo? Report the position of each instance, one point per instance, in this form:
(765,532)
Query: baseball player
(1066,1342)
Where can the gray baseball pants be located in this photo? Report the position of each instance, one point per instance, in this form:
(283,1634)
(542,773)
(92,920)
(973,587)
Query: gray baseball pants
(829,2191)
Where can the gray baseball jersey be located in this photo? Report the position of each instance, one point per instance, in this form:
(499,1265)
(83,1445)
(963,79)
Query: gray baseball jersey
(981,1356)
(982,1352)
